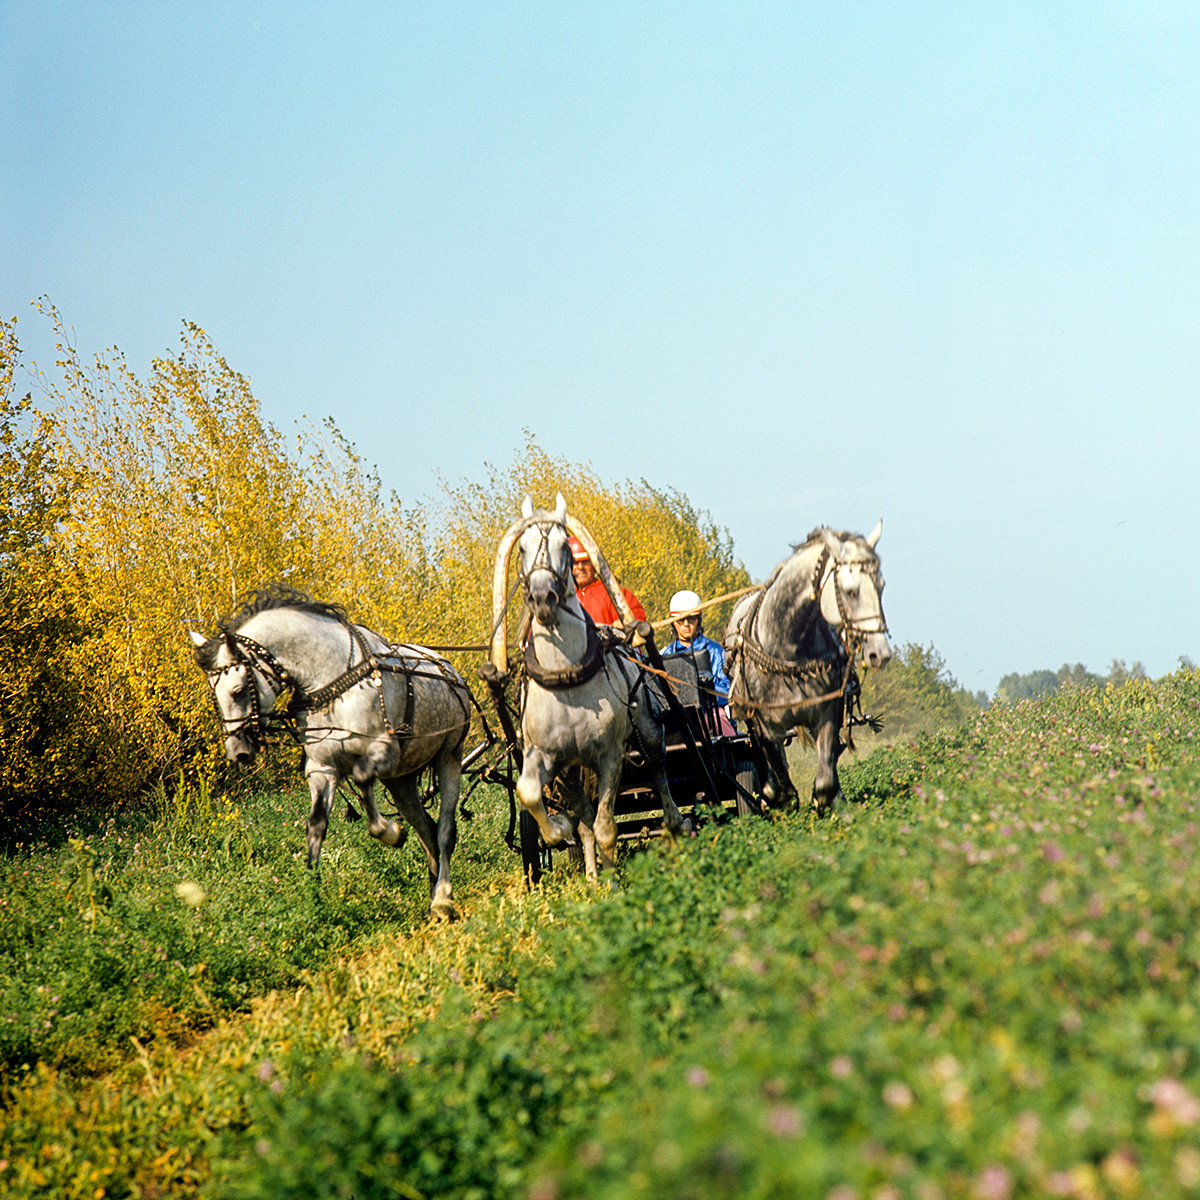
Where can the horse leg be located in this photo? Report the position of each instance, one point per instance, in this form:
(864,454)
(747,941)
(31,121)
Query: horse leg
(587,836)
(782,790)
(770,785)
(571,788)
(378,826)
(536,773)
(449,778)
(379,759)
(321,783)
(827,790)
(404,792)
(608,777)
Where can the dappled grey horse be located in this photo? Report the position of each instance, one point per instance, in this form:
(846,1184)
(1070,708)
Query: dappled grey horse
(583,699)
(361,708)
(791,648)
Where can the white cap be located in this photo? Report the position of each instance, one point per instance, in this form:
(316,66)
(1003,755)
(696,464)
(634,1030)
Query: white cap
(685,604)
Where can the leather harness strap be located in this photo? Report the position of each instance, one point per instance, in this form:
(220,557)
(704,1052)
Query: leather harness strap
(567,677)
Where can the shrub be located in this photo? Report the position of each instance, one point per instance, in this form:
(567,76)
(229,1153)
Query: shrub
(53,730)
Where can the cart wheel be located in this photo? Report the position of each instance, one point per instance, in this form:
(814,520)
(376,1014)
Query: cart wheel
(747,781)
(531,848)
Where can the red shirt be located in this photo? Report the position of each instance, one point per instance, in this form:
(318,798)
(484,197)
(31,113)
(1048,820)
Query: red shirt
(599,606)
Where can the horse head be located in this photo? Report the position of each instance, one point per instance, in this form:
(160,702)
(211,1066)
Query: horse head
(244,690)
(852,593)
(545,560)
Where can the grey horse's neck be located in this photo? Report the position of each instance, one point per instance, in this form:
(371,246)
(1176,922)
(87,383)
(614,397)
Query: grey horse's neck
(313,649)
(565,643)
(789,623)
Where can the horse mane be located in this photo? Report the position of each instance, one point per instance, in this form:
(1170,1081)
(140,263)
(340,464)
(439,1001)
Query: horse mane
(279,595)
(842,535)
(265,599)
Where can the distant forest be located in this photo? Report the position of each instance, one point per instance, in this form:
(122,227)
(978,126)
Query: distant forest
(1016,687)
(916,693)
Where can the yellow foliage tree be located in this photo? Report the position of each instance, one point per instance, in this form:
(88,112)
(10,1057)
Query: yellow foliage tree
(185,501)
(51,731)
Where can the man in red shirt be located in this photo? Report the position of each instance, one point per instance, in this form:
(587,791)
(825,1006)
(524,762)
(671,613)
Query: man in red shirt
(592,593)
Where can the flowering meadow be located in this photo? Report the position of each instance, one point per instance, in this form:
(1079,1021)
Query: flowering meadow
(979,981)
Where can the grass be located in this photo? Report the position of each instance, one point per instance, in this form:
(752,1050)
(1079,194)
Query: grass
(158,927)
(979,981)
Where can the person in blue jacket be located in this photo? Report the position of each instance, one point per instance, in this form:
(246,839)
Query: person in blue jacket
(689,635)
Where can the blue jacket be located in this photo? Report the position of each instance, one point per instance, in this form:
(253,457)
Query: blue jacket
(716,655)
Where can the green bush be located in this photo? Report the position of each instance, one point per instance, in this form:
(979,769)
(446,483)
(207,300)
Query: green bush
(461,1117)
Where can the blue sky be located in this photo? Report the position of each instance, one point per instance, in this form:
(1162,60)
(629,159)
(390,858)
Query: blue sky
(808,263)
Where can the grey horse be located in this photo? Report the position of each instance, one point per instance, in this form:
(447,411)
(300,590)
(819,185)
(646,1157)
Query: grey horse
(791,648)
(361,707)
(582,699)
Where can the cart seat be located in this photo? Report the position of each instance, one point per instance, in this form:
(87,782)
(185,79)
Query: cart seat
(690,677)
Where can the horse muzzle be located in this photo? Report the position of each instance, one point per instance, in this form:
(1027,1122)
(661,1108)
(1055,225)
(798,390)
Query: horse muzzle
(241,749)
(544,601)
(876,650)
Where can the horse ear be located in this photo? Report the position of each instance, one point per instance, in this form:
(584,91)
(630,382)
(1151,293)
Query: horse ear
(873,536)
(527,507)
(560,508)
(198,639)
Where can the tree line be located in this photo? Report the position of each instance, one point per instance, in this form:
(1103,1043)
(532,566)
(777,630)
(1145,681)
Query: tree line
(1034,684)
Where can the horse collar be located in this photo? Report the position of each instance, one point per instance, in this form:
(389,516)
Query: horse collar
(568,677)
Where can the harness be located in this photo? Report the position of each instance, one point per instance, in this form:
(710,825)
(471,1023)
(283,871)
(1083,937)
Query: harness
(592,662)
(567,677)
(258,726)
(822,669)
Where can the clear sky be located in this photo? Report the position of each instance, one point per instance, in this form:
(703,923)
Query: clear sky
(809,263)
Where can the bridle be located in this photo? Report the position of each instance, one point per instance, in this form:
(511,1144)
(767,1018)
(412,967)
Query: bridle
(854,630)
(541,557)
(593,659)
(258,662)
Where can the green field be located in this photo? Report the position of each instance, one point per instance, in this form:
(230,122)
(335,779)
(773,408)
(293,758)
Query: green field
(978,981)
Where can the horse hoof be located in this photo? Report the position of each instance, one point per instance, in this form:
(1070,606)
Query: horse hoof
(394,835)
(443,910)
(564,834)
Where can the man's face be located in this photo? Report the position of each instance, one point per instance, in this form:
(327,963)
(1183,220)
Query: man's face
(686,628)
(583,571)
